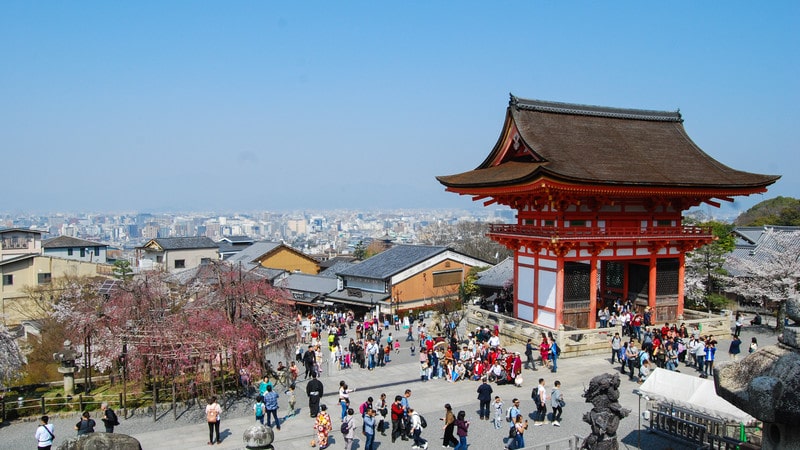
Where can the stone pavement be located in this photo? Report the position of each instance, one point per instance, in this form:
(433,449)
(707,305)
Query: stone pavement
(429,398)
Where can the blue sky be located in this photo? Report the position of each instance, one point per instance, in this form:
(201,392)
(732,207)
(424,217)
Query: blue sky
(243,106)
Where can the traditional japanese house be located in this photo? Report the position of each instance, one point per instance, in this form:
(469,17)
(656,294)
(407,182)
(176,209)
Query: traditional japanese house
(599,195)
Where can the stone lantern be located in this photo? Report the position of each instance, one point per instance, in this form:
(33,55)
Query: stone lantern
(67,357)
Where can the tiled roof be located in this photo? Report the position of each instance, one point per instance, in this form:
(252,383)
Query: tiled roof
(238,239)
(251,253)
(339,266)
(392,261)
(497,276)
(68,241)
(594,145)
(757,244)
(185,243)
(308,283)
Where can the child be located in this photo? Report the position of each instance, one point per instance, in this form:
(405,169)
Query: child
(412,349)
(292,399)
(423,371)
(396,347)
(259,409)
(498,412)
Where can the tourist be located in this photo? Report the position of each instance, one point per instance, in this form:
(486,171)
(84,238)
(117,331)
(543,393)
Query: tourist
(369,430)
(262,386)
(109,417)
(314,390)
(45,434)
(213,412)
(416,430)
(292,400)
(753,345)
(519,430)
(738,321)
(644,371)
(672,358)
(735,347)
(271,405)
(449,426)
(308,362)
(344,397)
(86,425)
(497,405)
(632,357)
(349,425)
(397,419)
(616,344)
(323,426)
(557,403)
(711,356)
(529,355)
(539,396)
(383,412)
(462,428)
(544,350)
(260,409)
(484,397)
(511,417)
(554,352)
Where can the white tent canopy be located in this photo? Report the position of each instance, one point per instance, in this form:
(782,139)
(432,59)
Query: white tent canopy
(692,393)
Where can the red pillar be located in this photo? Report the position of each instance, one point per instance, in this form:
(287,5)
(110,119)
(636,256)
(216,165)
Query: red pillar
(681,282)
(559,292)
(651,289)
(593,294)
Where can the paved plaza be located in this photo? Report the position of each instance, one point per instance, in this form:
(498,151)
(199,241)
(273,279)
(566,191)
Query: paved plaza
(429,398)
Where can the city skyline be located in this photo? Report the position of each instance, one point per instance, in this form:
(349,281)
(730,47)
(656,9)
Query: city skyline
(317,106)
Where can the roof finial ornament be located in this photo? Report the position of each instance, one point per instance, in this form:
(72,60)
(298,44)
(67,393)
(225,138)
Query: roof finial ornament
(512,100)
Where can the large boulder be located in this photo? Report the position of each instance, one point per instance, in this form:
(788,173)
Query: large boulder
(258,437)
(101,441)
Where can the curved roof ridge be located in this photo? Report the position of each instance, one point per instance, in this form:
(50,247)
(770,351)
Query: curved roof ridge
(596,111)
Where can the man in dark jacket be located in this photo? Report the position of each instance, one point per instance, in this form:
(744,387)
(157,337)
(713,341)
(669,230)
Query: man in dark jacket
(309,360)
(314,389)
(484,397)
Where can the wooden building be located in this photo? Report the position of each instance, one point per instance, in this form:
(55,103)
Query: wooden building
(599,195)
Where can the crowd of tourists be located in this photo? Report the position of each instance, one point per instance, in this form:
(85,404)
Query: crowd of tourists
(641,350)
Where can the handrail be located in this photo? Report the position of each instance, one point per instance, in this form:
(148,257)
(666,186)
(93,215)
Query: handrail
(590,233)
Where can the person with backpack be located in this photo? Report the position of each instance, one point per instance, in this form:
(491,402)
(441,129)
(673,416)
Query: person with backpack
(539,396)
(366,406)
(45,434)
(519,430)
(348,429)
(108,417)
(213,412)
(511,417)
(260,408)
(86,425)
(417,424)
(555,351)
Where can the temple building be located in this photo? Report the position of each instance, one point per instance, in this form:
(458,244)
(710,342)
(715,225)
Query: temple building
(599,195)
